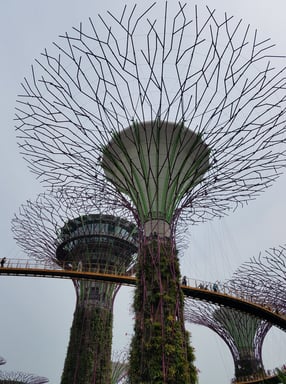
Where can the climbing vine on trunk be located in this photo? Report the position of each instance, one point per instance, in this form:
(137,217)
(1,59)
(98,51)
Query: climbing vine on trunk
(160,350)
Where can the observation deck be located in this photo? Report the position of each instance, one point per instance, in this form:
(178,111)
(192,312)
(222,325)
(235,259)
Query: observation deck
(97,242)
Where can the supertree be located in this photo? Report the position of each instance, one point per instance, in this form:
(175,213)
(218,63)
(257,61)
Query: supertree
(120,369)
(242,333)
(2,360)
(119,372)
(263,278)
(76,235)
(21,378)
(178,115)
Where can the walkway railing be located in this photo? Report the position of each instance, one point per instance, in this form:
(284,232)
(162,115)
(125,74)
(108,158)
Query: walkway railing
(49,265)
(213,292)
(31,264)
(233,291)
(270,376)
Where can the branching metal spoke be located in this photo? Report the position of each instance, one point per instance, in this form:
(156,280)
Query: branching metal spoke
(264,278)
(175,119)
(37,225)
(209,73)
(77,230)
(243,334)
(21,378)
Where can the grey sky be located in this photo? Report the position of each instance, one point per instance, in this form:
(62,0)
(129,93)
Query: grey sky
(36,314)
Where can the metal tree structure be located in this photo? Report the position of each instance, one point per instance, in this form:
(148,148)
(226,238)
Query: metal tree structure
(119,373)
(2,360)
(120,369)
(263,278)
(243,334)
(21,378)
(177,114)
(70,234)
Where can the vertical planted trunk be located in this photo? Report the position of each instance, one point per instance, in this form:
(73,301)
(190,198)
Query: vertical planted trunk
(88,359)
(160,350)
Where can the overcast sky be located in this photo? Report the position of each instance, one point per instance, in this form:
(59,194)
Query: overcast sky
(36,313)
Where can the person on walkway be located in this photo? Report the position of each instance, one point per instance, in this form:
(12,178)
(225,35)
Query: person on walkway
(79,266)
(3,261)
(184,281)
(215,287)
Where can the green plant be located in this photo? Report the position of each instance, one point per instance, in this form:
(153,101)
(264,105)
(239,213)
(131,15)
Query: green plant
(160,350)
(281,375)
(89,351)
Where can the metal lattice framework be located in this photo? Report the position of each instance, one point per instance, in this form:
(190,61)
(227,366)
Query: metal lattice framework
(263,278)
(2,360)
(243,334)
(38,224)
(120,368)
(176,115)
(21,378)
(59,228)
(188,67)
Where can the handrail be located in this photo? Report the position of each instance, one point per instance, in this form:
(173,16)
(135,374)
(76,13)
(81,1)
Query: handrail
(198,289)
(271,376)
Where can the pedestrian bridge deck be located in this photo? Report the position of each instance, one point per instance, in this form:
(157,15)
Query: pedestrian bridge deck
(271,378)
(225,296)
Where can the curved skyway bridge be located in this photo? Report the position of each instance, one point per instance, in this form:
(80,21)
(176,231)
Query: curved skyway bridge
(269,377)
(196,289)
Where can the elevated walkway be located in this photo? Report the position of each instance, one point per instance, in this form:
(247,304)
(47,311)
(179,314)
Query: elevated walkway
(265,379)
(195,289)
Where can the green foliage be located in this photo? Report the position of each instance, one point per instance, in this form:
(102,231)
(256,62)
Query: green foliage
(281,375)
(89,351)
(160,350)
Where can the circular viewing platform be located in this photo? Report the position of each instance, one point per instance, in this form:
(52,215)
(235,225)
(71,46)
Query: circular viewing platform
(97,241)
